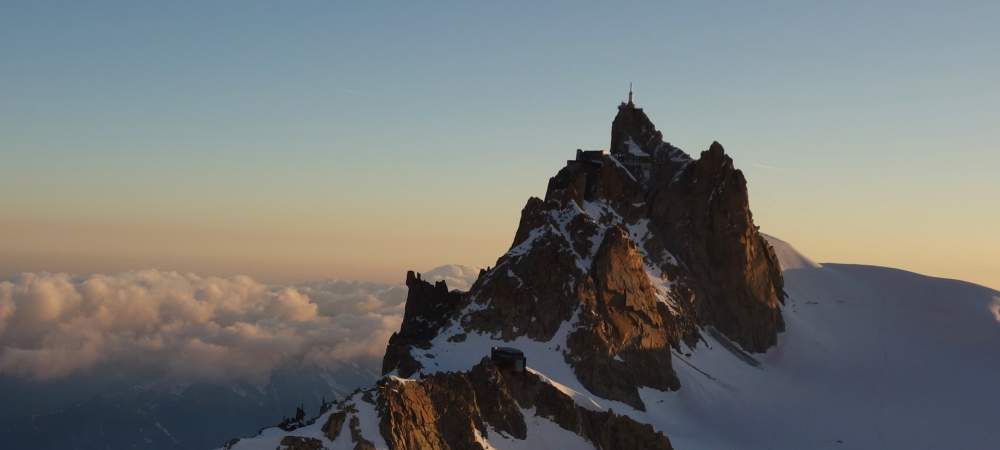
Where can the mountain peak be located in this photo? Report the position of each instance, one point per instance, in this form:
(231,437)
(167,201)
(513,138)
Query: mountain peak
(632,132)
(639,274)
(632,255)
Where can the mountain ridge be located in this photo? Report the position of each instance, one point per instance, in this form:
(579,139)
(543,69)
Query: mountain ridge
(604,238)
(593,267)
(642,295)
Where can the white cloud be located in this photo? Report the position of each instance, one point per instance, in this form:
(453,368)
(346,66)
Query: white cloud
(192,327)
(457,276)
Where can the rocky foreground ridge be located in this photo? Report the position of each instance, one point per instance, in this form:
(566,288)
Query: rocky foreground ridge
(631,256)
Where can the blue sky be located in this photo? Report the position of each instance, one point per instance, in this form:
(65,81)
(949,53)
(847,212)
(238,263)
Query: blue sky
(338,139)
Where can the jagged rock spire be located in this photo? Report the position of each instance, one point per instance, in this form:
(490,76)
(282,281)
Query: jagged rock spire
(632,123)
(581,269)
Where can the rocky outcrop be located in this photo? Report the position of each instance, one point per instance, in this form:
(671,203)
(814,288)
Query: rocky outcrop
(333,425)
(631,123)
(604,429)
(625,335)
(627,260)
(529,293)
(589,248)
(700,212)
(628,256)
(452,410)
(705,220)
(428,308)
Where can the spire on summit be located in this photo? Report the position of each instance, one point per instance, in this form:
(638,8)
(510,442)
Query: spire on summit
(630,93)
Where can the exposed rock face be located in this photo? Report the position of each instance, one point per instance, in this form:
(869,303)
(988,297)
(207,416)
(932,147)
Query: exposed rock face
(706,222)
(334,424)
(428,308)
(589,249)
(625,334)
(451,411)
(604,429)
(631,123)
(626,261)
(629,256)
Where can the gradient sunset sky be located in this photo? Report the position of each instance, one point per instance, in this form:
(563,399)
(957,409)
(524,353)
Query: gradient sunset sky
(293,141)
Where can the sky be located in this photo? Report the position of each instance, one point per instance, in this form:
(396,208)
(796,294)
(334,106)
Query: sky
(323,139)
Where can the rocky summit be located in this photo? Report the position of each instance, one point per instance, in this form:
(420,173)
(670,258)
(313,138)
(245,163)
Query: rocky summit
(631,253)
(634,254)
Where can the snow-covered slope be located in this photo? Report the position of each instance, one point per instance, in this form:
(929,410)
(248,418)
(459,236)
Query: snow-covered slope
(871,358)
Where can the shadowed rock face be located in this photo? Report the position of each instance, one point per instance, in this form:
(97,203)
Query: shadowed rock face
(634,253)
(449,410)
(705,220)
(632,123)
(428,308)
(334,424)
(625,323)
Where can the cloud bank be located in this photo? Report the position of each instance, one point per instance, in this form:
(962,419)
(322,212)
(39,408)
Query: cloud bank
(192,327)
